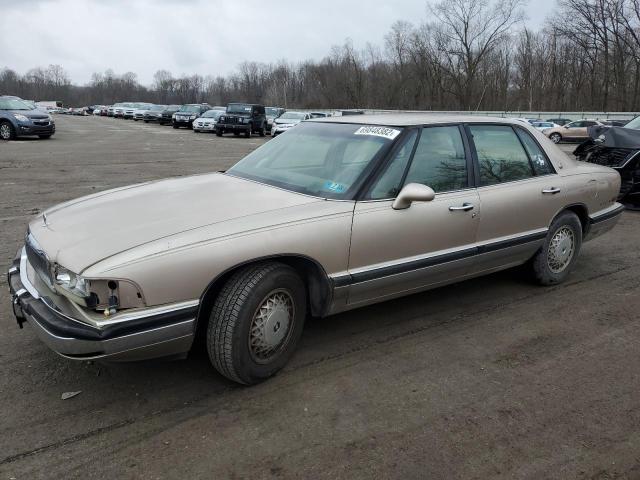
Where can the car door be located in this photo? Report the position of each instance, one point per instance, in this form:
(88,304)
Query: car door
(395,252)
(520,193)
(575,130)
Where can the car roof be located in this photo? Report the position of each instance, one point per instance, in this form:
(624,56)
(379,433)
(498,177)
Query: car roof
(410,119)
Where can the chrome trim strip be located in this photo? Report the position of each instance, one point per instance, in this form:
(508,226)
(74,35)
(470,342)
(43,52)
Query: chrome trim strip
(13,270)
(20,292)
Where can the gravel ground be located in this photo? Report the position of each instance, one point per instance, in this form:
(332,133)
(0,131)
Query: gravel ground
(491,378)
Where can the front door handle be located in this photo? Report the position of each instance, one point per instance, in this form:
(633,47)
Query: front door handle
(465,208)
(551,191)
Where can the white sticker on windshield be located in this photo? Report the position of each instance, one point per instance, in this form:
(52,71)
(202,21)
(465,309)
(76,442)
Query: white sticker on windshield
(383,132)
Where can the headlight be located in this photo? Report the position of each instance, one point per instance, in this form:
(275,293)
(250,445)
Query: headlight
(20,118)
(222,119)
(72,283)
(49,117)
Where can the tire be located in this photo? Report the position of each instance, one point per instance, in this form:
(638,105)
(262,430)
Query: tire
(237,134)
(552,264)
(175,126)
(45,137)
(238,348)
(146,121)
(247,133)
(7,132)
(555,137)
(218,133)
(262,130)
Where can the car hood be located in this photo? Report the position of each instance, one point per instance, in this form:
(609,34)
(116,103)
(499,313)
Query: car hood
(35,113)
(82,232)
(287,121)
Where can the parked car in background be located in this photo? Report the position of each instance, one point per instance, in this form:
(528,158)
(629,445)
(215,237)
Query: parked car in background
(154,113)
(138,113)
(166,116)
(320,115)
(207,122)
(187,113)
(574,131)
(560,121)
(618,148)
(335,215)
(345,113)
(133,107)
(243,118)
(20,119)
(544,125)
(272,113)
(119,108)
(288,120)
(111,109)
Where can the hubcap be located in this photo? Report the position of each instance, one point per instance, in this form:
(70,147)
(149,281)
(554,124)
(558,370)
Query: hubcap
(561,249)
(271,325)
(5,132)
(555,138)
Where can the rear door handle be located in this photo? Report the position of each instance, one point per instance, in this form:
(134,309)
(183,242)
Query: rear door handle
(465,208)
(551,190)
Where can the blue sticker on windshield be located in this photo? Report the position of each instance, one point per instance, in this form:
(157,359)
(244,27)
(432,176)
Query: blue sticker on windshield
(334,187)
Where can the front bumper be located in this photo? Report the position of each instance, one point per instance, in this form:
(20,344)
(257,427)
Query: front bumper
(31,129)
(233,127)
(154,332)
(183,123)
(209,127)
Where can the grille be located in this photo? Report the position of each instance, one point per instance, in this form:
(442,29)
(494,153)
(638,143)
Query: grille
(611,157)
(38,259)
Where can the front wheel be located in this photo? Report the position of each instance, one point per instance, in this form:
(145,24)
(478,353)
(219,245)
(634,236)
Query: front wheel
(555,259)
(6,131)
(555,137)
(175,126)
(218,133)
(256,322)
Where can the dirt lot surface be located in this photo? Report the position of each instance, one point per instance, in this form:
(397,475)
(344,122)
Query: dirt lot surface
(491,378)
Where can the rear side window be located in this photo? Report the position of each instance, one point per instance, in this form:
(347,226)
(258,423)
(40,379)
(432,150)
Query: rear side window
(440,161)
(539,160)
(501,156)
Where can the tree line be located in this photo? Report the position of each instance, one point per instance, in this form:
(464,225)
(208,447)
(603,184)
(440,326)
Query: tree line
(469,55)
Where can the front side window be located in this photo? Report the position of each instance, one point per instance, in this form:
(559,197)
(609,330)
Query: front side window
(501,156)
(387,184)
(440,161)
(320,159)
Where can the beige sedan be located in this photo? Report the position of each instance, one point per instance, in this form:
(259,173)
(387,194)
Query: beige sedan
(574,131)
(332,215)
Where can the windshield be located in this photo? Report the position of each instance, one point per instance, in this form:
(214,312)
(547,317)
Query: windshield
(292,116)
(320,159)
(13,104)
(635,123)
(212,113)
(189,108)
(272,111)
(238,108)
(158,108)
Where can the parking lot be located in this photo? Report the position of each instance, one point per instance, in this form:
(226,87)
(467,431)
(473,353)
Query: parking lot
(491,378)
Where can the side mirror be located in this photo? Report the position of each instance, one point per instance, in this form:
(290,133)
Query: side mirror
(413,192)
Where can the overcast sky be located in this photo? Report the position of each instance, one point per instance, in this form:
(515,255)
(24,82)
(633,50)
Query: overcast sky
(194,36)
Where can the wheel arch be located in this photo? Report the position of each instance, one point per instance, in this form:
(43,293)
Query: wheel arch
(317,283)
(582,212)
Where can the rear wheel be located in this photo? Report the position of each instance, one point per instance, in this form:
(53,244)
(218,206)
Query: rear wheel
(256,322)
(6,131)
(555,137)
(555,259)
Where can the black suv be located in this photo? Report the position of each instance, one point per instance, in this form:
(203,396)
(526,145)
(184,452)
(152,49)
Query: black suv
(242,118)
(187,113)
(166,116)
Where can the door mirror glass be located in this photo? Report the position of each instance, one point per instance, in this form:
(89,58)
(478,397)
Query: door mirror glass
(413,192)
